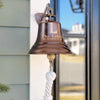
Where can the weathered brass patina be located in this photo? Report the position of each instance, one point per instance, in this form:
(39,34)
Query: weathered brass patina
(49,39)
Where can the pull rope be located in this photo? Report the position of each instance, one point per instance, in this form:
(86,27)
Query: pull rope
(50,77)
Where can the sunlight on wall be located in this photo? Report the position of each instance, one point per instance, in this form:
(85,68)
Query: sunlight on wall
(39,64)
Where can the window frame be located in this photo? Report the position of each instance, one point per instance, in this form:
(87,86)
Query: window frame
(92,74)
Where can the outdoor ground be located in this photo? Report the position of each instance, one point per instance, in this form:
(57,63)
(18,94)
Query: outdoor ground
(77,88)
(74,97)
(72,58)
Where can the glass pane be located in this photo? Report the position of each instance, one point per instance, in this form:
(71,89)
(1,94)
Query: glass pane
(72,71)
(72,66)
(71,22)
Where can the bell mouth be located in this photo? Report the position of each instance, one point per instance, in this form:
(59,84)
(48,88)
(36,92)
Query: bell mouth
(50,48)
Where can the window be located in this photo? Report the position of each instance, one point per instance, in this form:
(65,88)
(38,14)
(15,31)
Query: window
(71,67)
(91,38)
(74,43)
(82,42)
(69,44)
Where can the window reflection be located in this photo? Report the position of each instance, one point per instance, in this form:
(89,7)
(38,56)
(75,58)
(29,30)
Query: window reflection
(72,66)
(70,21)
(72,76)
(77,45)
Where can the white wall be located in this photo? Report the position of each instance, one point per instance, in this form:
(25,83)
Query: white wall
(39,64)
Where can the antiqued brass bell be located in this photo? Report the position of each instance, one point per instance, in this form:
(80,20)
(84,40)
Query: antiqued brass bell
(49,39)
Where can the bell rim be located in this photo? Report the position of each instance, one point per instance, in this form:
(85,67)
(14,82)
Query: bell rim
(48,22)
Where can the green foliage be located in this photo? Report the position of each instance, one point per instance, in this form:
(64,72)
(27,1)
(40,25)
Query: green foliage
(1,4)
(4,88)
(73,54)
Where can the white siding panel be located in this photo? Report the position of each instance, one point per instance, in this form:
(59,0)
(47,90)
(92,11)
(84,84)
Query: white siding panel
(14,69)
(14,41)
(14,13)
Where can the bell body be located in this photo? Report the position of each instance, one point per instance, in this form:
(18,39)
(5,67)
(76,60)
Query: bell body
(49,39)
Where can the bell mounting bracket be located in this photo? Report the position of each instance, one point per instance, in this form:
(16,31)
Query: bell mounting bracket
(47,13)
